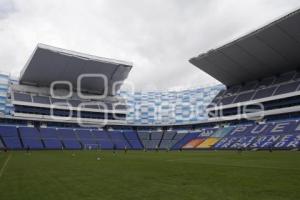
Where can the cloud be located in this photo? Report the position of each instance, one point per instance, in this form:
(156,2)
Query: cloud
(6,8)
(159,37)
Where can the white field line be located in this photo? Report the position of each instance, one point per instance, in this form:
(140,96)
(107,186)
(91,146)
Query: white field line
(4,165)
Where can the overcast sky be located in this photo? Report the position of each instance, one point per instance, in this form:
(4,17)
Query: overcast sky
(158,36)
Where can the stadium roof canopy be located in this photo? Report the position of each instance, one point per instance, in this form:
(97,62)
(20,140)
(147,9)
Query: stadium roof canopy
(268,51)
(48,64)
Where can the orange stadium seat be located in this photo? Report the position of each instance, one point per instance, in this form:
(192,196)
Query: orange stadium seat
(193,143)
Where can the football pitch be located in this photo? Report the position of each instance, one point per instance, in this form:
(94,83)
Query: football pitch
(80,175)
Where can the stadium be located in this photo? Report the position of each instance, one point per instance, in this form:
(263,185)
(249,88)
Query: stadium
(69,129)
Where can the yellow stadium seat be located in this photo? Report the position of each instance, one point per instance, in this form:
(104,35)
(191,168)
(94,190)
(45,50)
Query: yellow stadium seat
(209,142)
(193,143)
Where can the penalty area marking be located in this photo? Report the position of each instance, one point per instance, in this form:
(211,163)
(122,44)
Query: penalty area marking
(4,165)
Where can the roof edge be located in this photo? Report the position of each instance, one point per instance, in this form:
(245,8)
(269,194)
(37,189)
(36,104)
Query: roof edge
(83,55)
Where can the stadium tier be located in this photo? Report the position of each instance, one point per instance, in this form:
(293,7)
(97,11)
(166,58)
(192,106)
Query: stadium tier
(256,106)
(272,93)
(259,89)
(270,135)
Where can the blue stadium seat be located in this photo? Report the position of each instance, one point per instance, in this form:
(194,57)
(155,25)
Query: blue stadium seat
(41,99)
(151,144)
(116,135)
(244,97)
(156,135)
(31,138)
(90,144)
(85,134)
(119,140)
(29,132)
(12,142)
(105,144)
(121,144)
(263,93)
(8,131)
(286,88)
(144,135)
(135,144)
(32,143)
(130,135)
(66,133)
(71,144)
(22,97)
(288,141)
(133,139)
(52,143)
(169,135)
(100,135)
(48,133)
(10,137)
(103,139)
(167,144)
(265,141)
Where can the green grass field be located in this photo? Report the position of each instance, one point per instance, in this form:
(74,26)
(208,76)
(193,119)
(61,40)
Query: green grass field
(149,175)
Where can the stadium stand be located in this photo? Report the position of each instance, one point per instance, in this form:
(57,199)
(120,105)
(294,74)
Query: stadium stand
(263,89)
(119,140)
(260,70)
(184,138)
(68,138)
(31,138)
(86,138)
(50,138)
(10,137)
(47,100)
(168,140)
(133,139)
(1,145)
(275,135)
(103,139)
(202,137)
(270,135)
(193,143)
(208,143)
(150,140)
(41,100)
